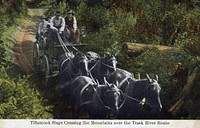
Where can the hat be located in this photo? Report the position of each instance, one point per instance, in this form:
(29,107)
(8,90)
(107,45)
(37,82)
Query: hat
(57,13)
(70,12)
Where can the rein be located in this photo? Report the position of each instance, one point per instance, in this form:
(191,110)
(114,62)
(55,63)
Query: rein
(63,44)
(106,65)
(82,90)
(93,66)
(127,96)
(107,107)
(66,50)
(140,101)
(125,79)
(134,99)
(91,101)
(64,62)
(67,68)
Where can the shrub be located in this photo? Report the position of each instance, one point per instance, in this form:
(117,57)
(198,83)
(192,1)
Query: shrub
(171,67)
(19,100)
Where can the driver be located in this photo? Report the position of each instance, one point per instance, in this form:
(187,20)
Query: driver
(57,23)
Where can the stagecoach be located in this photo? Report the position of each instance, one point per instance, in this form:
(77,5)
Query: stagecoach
(46,53)
(102,89)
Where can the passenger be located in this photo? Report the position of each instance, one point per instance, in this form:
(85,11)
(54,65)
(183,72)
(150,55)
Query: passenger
(43,30)
(40,30)
(57,24)
(72,31)
(44,27)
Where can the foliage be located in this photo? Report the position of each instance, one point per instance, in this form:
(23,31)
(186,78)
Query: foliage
(110,23)
(188,39)
(11,10)
(172,68)
(19,100)
(105,28)
(2,53)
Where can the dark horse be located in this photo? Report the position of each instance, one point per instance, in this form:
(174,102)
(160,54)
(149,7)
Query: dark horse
(99,101)
(70,66)
(121,77)
(149,90)
(134,92)
(102,67)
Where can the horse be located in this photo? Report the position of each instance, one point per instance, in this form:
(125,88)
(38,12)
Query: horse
(121,77)
(135,93)
(99,101)
(70,66)
(102,67)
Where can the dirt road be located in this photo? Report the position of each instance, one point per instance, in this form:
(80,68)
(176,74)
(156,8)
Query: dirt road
(25,39)
(23,48)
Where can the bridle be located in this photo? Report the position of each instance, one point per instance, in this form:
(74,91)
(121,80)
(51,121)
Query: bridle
(105,63)
(98,96)
(154,83)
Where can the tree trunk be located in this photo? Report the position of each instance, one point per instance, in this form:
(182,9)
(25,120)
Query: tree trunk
(185,96)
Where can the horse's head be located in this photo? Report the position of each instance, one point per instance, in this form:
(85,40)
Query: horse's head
(83,64)
(110,62)
(152,92)
(112,95)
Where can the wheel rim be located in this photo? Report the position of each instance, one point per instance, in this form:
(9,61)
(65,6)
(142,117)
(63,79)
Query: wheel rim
(36,59)
(46,69)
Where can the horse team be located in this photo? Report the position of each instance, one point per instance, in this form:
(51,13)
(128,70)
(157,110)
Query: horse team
(95,85)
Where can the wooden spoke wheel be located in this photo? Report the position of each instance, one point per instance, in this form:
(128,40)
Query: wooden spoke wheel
(45,67)
(36,57)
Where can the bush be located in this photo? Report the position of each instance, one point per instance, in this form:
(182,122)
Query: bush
(106,28)
(171,67)
(19,100)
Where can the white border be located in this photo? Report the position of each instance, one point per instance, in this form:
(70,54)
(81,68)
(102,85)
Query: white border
(62,123)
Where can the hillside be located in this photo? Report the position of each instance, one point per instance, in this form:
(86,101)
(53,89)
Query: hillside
(180,94)
(167,33)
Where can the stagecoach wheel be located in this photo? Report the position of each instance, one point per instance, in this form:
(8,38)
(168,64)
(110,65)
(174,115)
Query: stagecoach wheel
(46,70)
(36,59)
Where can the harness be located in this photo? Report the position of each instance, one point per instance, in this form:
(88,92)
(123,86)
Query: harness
(91,101)
(67,51)
(129,97)
(154,83)
(145,90)
(98,96)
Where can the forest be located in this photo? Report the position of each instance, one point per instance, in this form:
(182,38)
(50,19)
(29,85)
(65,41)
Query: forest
(155,37)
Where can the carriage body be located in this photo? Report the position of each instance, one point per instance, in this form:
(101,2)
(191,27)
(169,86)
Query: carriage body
(46,53)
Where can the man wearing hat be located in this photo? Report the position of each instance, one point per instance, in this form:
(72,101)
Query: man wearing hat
(43,28)
(71,27)
(57,24)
